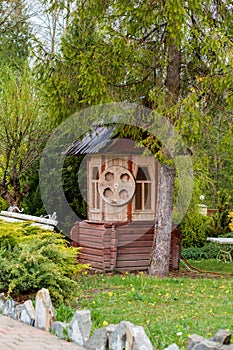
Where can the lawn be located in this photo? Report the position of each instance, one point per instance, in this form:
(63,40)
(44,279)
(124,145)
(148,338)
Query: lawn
(169,309)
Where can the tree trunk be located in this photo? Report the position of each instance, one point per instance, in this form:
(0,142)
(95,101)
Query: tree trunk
(173,74)
(160,254)
(11,199)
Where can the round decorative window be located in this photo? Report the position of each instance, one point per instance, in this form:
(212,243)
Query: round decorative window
(116,185)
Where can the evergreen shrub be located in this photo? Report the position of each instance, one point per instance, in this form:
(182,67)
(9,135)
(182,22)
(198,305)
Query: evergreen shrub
(195,228)
(208,251)
(32,259)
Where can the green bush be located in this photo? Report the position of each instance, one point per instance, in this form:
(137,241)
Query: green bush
(32,259)
(195,229)
(221,219)
(208,251)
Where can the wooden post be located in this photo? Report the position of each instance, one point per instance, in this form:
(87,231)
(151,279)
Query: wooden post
(113,252)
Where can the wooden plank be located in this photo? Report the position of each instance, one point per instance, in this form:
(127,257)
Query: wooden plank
(131,238)
(105,266)
(29,218)
(89,257)
(132,269)
(133,250)
(134,263)
(133,257)
(135,244)
(136,231)
(148,223)
(5,218)
(88,244)
(93,264)
(91,233)
(92,251)
(105,253)
(94,227)
(107,238)
(89,238)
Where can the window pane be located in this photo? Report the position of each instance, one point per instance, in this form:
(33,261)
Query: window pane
(138,197)
(95,173)
(147,196)
(93,194)
(98,196)
(143,174)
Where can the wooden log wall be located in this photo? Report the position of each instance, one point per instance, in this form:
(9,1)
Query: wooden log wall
(108,247)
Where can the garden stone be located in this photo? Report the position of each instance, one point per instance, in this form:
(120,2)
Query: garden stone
(3,299)
(28,314)
(80,327)
(119,339)
(140,339)
(227,347)
(172,347)
(17,312)
(44,310)
(222,336)
(126,336)
(60,329)
(9,307)
(194,339)
(99,339)
(207,345)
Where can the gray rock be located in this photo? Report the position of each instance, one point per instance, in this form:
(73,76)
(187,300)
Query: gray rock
(207,345)
(172,347)
(140,341)
(8,308)
(126,336)
(80,327)
(99,339)
(17,312)
(44,310)
(28,313)
(227,347)
(60,329)
(222,336)
(3,299)
(194,339)
(119,339)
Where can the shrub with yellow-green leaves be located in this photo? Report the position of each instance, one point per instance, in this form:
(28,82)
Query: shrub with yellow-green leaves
(31,259)
(231,223)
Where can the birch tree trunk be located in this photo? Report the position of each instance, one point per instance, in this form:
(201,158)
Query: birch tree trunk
(160,254)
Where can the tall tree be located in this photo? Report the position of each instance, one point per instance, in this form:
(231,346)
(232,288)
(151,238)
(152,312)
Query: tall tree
(173,56)
(49,20)
(15,32)
(22,132)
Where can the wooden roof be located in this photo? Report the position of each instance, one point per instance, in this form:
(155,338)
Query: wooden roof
(103,139)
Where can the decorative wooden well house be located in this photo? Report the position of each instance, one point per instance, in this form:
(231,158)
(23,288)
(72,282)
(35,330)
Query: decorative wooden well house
(121,197)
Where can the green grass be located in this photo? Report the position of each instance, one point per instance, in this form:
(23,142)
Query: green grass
(213,265)
(169,309)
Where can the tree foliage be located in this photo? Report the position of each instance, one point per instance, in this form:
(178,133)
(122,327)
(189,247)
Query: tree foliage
(172,56)
(22,131)
(15,33)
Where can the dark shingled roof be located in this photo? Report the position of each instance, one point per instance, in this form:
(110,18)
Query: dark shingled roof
(93,141)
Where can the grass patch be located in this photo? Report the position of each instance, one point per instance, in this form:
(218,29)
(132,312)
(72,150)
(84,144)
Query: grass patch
(213,265)
(169,309)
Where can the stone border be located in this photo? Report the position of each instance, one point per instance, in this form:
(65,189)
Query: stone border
(125,335)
